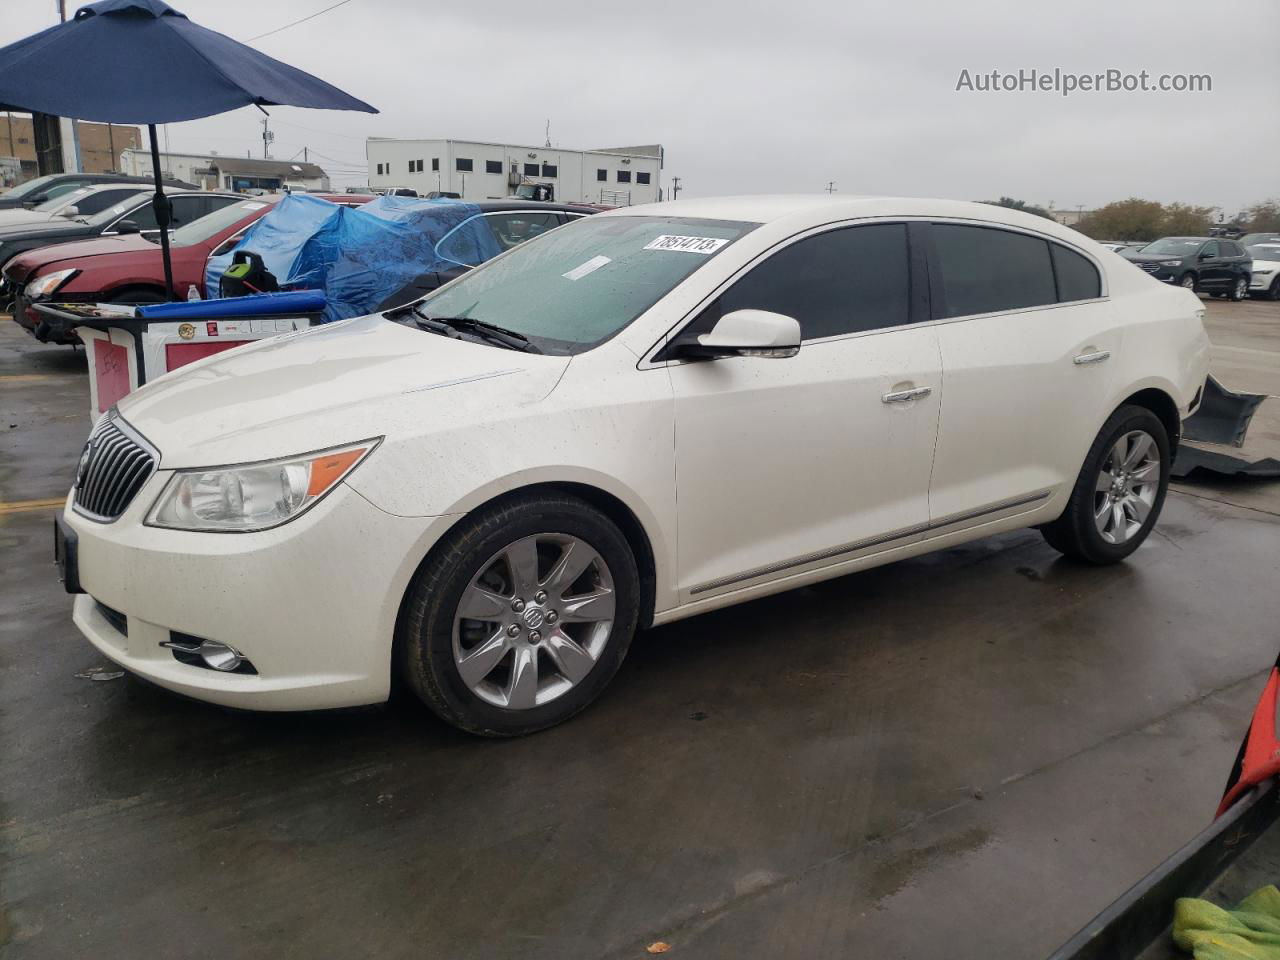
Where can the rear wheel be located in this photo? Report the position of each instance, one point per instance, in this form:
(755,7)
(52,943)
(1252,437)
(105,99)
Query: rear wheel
(1240,289)
(522,616)
(1119,492)
(1273,292)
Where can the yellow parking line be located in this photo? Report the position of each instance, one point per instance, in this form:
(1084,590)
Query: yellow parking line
(22,506)
(29,377)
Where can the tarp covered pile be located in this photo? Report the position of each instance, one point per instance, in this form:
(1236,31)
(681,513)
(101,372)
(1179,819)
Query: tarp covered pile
(360,256)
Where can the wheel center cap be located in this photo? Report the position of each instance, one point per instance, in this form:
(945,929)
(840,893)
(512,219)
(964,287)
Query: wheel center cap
(533,617)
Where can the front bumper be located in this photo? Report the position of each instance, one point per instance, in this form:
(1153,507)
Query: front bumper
(312,603)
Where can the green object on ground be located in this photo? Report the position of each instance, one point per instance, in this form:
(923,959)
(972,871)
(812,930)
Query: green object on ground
(1249,932)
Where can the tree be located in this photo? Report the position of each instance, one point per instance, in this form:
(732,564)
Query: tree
(1264,217)
(1131,219)
(1022,205)
(1182,219)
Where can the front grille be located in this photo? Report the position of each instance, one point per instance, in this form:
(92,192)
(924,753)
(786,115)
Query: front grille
(114,466)
(1150,267)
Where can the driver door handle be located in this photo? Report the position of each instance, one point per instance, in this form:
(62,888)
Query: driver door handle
(1092,357)
(905,396)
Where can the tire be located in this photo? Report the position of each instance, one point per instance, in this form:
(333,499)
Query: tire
(1188,281)
(1273,292)
(136,295)
(1240,289)
(470,563)
(1077,533)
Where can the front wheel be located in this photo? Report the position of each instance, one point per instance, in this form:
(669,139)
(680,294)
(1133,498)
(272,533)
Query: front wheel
(1188,281)
(1241,289)
(1120,490)
(522,616)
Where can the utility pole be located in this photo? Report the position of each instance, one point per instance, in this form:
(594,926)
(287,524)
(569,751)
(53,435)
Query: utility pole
(831,186)
(304,155)
(548,133)
(267,138)
(675,187)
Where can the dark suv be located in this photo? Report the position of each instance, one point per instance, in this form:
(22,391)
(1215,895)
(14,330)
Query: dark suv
(42,189)
(1201,264)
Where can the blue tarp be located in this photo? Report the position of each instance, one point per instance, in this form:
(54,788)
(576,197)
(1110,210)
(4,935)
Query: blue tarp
(359,256)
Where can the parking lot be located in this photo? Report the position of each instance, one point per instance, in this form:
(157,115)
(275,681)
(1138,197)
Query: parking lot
(966,754)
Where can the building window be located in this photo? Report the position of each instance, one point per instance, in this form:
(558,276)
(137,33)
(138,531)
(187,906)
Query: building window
(415,166)
(530,169)
(493,166)
(435,163)
(624,176)
(642,176)
(462,165)
(602,176)
(379,174)
(549,170)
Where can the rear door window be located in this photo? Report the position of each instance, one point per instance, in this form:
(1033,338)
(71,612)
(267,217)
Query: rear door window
(989,270)
(1077,278)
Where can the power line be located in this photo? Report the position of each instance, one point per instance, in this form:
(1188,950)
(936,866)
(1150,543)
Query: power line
(296,22)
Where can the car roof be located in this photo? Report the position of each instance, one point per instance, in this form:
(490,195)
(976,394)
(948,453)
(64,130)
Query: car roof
(803,210)
(491,205)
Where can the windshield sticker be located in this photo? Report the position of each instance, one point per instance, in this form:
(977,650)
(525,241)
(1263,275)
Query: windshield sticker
(591,266)
(703,245)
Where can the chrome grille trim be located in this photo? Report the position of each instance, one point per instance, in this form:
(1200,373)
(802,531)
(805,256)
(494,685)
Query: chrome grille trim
(120,462)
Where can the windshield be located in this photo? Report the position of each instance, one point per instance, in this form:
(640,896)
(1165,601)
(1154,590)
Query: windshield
(575,287)
(198,231)
(1268,252)
(103,217)
(1174,246)
(54,204)
(30,188)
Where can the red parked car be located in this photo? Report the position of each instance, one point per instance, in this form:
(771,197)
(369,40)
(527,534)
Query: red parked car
(128,268)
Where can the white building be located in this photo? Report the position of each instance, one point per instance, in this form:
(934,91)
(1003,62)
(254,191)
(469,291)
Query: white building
(213,171)
(618,176)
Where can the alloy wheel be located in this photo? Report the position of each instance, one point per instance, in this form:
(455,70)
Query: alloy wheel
(1242,288)
(1189,282)
(534,621)
(1126,487)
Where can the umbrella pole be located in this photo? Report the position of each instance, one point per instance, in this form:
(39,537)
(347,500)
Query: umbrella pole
(161,206)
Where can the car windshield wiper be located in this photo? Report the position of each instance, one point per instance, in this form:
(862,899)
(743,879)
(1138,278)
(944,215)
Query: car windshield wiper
(489,332)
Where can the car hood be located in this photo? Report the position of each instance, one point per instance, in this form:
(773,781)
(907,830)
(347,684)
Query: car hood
(26,263)
(19,215)
(53,227)
(1151,257)
(348,381)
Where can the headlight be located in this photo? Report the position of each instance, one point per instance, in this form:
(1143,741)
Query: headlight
(47,284)
(253,496)
(1264,271)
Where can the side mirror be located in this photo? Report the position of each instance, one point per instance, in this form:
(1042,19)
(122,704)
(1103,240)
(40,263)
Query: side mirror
(127,226)
(71,212)
(745,333)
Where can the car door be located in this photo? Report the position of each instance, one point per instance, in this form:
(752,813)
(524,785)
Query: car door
(1211,268)
(1027,339)
(788,465)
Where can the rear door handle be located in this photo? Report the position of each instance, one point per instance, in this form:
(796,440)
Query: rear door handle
(904,396)
(1091,357)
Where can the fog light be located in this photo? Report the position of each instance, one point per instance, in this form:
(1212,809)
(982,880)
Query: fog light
(199,652)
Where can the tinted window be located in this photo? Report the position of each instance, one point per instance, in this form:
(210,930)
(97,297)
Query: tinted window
(1077,278)
(642,176)
(144,216)
(550,170)
(491,166)
(1232,249)
(513,229)
(530,169)
(1210,249)
(985,270)
(463,165)
(188,209)
(602,175)
(842,281)
(624,176)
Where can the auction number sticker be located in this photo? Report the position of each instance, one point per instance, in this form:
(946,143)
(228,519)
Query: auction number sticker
(703,245)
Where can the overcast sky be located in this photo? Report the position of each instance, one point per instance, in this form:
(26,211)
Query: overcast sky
(784,96)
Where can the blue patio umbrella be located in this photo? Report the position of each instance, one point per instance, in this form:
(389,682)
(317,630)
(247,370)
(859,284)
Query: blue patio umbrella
(141,61)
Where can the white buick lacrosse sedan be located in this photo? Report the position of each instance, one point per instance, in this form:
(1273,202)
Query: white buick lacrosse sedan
(642,416)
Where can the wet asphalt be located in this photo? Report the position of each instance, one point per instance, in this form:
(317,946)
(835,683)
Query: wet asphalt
(962,755)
